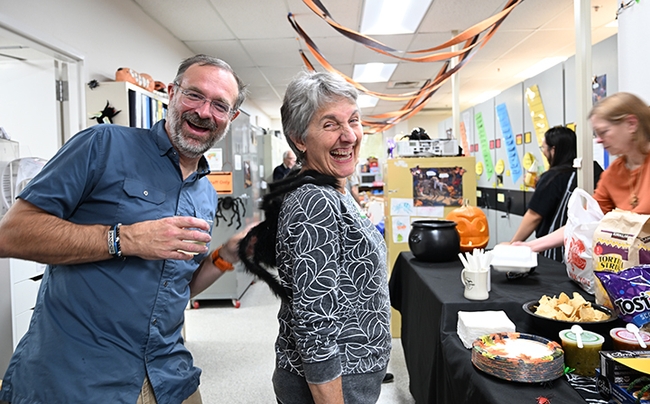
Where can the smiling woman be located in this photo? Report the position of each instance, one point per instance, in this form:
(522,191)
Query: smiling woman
(322,122)
(334,340)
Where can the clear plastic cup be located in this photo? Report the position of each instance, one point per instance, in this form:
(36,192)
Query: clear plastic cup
(584,360)
(623,340)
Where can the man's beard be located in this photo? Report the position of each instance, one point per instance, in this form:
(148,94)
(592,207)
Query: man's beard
(186,144)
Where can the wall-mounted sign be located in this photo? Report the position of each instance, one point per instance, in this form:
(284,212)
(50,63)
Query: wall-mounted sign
(215,159)
(222,182)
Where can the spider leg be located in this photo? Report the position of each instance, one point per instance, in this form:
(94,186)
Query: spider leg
(239,203)
(232,217)
(219,214)
(243,205)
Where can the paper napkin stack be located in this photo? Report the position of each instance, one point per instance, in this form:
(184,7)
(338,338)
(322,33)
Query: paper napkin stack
(474,324)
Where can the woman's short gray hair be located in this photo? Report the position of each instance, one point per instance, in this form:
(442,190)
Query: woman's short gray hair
(306,94)
(207,60)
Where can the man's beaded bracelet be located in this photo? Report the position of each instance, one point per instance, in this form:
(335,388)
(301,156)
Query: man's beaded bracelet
(114,247)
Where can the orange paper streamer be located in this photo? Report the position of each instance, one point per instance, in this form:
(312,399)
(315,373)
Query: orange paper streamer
(474,38)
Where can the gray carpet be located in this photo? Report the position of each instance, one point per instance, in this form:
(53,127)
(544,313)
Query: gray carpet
(234,347)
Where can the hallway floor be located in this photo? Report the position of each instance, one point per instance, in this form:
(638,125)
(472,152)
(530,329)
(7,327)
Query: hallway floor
(234,348)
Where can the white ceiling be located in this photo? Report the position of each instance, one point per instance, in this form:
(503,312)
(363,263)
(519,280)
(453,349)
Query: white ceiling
(256,39)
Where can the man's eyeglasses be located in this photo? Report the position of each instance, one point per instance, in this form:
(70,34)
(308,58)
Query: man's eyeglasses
(192,99)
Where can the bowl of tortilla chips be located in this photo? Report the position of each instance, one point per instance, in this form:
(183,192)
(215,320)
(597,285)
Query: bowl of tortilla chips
(552,314)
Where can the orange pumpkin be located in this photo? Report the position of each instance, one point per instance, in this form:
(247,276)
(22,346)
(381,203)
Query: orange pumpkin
(472,227)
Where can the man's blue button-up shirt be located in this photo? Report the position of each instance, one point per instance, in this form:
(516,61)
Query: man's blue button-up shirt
(99,328)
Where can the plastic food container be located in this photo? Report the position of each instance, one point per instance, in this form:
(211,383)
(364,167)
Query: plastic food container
(584,360)
(624,340)
(511,258)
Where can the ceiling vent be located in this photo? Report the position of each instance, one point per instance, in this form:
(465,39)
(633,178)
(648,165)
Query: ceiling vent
(405,84)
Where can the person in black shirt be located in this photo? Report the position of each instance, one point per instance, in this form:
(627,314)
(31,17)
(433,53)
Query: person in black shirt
(288,161)
(547,210)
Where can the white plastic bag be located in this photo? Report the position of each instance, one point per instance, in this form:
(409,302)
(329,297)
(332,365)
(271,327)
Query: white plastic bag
(583,216)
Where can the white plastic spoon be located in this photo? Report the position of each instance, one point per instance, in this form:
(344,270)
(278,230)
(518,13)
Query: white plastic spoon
(635,330)
(577,330)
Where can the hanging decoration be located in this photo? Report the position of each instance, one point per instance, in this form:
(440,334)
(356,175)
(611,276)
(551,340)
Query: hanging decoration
(474,38)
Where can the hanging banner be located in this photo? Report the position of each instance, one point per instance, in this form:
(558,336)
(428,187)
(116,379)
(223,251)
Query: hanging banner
(511,146)
(538,115)
(463,139)
(467,132)
(485,145)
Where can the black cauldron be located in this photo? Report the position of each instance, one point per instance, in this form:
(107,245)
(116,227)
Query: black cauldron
(434,240)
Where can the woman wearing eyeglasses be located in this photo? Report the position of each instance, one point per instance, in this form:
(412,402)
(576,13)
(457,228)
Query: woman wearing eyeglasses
(621,123)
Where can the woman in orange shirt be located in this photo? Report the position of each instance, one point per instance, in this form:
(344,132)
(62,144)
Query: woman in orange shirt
(621,123)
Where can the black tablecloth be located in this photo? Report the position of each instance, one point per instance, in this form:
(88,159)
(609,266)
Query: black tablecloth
(429,297)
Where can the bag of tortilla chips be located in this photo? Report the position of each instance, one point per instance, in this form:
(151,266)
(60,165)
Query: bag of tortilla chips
(621,241)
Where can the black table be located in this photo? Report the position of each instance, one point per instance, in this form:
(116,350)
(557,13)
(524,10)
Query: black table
(429,296)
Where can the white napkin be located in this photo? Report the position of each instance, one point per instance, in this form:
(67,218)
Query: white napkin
(474,324)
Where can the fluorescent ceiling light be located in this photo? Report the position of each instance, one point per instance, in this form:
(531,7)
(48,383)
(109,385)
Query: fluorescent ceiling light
(373,72)
(539,67)
(366,101)
(485,96)
(389,17)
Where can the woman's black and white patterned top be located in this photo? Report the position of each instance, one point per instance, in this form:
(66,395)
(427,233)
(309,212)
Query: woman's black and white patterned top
(332,263)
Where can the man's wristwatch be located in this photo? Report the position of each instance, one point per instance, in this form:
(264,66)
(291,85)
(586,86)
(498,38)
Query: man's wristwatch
(220,262)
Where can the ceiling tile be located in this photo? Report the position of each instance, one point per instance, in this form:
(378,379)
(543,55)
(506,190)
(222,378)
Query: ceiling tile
(230,51)
(256,38)
(191,20)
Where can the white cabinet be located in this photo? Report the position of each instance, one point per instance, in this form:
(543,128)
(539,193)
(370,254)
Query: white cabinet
(138,107)
(19,284)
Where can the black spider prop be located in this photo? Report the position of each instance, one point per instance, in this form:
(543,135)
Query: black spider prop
(257,248)
(106,115)
(228,203)
(417,134)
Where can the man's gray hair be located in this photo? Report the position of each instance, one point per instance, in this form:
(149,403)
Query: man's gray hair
(207,60)
(306,94)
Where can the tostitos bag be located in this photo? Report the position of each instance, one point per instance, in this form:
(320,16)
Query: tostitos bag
(583,216)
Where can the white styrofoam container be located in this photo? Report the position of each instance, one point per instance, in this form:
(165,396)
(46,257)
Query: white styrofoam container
(511,258)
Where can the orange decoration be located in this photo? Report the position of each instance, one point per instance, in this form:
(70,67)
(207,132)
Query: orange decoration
(474,38)
(472,227)
(139,79)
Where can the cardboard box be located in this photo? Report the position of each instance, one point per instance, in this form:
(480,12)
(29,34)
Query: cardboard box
(621,367)
(615,393)
(617,370)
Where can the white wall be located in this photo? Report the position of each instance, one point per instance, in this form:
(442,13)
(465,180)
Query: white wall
(109,34)
(29,118)
(633,58)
